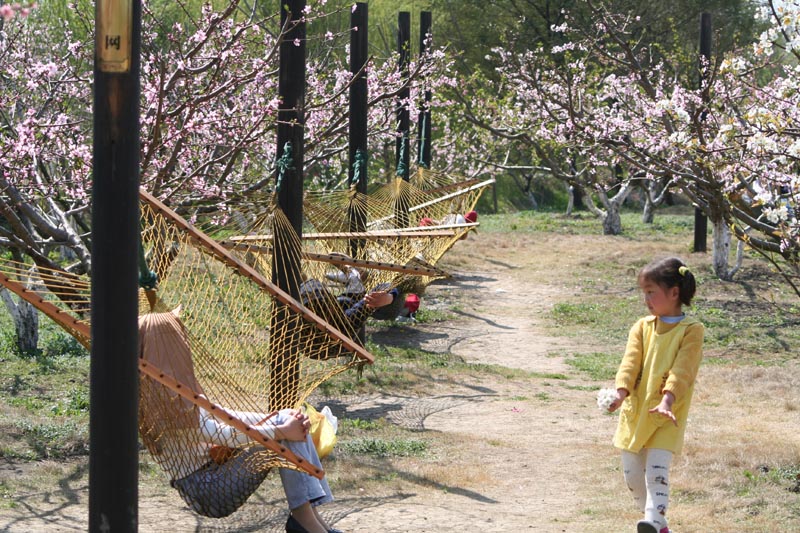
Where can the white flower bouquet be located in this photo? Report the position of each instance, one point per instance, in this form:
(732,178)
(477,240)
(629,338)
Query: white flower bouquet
(605,397)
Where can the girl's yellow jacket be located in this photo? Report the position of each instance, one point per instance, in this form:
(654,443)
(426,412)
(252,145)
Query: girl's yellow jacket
(659,357)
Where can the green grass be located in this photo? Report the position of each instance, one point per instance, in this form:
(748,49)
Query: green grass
(354,425)
(598,366)
(670,222)
(378,447)
(44,395)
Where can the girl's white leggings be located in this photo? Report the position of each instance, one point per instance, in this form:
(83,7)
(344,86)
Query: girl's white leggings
(647,476)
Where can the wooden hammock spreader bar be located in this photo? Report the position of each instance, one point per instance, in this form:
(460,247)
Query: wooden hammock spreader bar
(70,324)
(223,416)
(435,229)
(451,186)
(367,235)
(436,200)
(452,195)
(340,260)
(378,265)
(249,272)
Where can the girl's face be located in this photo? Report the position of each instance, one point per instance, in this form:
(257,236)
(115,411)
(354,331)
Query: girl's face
(661,301)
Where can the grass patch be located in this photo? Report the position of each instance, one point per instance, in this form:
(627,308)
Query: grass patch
(608,319)
(53,440)
(353,425)
(669,222)
(377,447)
(597,365)
(429,316)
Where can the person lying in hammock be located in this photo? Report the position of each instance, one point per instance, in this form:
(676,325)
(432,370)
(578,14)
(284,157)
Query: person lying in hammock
(215,467)
(347,313)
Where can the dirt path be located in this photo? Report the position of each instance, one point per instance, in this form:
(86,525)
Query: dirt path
(524,434)
(511,442)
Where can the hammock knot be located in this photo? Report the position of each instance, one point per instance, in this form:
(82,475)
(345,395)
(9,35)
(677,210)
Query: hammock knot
(148,279)
(359,166)
(284,164)
(402,168)
(422,140)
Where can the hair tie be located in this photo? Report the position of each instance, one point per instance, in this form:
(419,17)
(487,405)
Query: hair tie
(683,270)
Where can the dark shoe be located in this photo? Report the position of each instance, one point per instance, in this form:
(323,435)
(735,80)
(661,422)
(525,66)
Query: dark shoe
(335,531)
(293,526)
(644,526)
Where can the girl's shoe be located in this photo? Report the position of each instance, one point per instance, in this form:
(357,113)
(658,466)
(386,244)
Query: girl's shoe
(645,526)
(293,526)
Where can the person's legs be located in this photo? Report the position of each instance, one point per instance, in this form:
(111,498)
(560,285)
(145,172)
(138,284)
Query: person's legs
(657,482)
(303,492)
(305,516)
(633,468)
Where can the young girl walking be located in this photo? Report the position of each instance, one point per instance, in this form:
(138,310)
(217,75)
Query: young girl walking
(654,386)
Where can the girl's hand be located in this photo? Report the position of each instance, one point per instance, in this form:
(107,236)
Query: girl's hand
(665,407)
(621,395)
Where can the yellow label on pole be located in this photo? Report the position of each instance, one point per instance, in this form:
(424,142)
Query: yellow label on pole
(114,24)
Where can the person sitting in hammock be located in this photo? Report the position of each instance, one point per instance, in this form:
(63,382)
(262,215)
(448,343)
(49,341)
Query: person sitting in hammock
(214,466)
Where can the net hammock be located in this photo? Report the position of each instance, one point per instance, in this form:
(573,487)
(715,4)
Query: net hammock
(405,222)
(242,348)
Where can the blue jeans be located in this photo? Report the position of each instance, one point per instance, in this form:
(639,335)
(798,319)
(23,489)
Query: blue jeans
(299,486)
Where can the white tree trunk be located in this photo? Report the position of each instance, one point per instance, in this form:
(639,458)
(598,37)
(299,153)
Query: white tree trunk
(571,199)
(649,209)
(612,222)
(26,322)
(721,250)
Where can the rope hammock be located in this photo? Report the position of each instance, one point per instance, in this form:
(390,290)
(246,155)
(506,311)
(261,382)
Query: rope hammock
(241,348)
(404,222)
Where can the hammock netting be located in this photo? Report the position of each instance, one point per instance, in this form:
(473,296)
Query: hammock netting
(252,322)
(410,223)
(222,346)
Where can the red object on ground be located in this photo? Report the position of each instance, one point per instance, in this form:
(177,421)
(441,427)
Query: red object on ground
(412,303)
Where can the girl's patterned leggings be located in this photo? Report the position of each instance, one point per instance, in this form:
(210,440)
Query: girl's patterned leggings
(647,476)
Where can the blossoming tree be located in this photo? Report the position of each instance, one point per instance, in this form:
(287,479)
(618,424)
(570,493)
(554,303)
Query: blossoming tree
(730,145)
(208,114)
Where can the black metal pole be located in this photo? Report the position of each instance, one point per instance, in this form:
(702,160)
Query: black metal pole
(359,49)
(285,362)
(114,377)
(402,155)
(424,124)
(291,113)
(700,218)
(358,149)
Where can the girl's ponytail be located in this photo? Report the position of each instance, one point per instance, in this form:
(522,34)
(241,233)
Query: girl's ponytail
(687,285)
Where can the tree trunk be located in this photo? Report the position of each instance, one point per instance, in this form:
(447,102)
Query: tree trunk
(721,249)
(571,199)
(26,322)
(649,209)
(612,222)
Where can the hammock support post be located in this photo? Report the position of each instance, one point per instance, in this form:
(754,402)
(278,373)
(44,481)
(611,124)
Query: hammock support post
(359,44)
(358,149)
(402,155)
(285,367)
(700,218)
(424,123)
(114,390)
